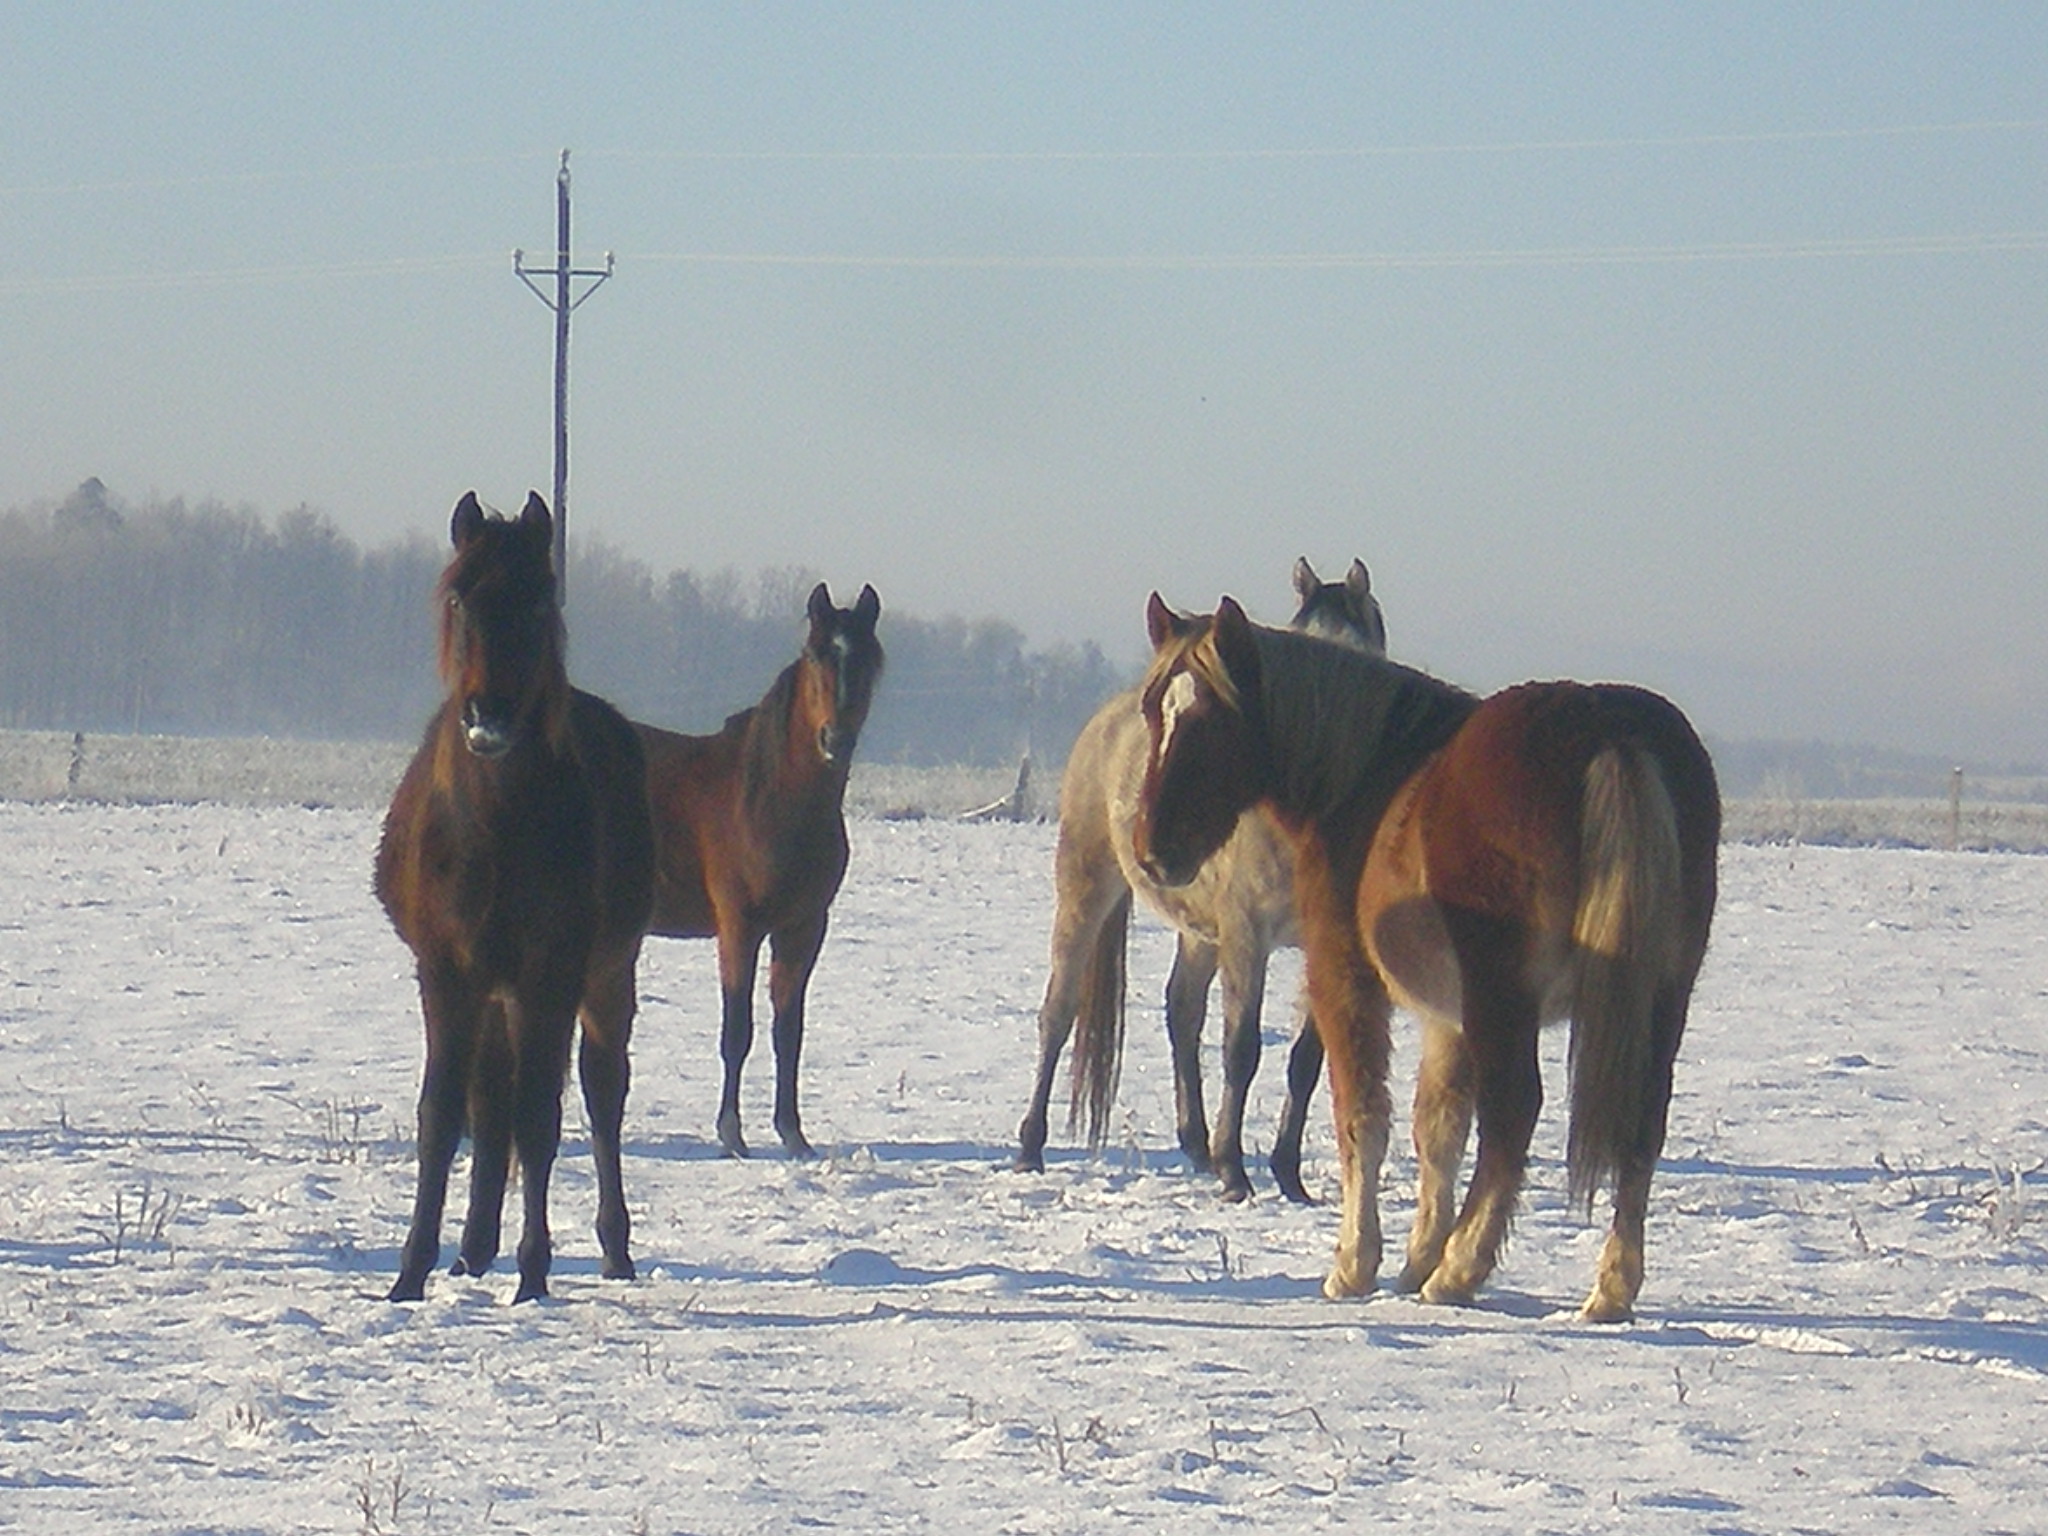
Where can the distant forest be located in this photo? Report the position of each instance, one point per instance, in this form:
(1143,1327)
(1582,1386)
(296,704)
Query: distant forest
(211,621)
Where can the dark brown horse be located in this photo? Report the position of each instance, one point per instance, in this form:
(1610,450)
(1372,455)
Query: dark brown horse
(1227,921)
(751,840)
(1494,864)
(518,864)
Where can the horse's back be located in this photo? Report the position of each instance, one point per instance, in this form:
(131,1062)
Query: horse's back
(726,853)
(683,778)
(614,770)
(1491,826)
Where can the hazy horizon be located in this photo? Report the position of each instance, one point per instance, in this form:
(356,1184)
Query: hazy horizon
(1703,348)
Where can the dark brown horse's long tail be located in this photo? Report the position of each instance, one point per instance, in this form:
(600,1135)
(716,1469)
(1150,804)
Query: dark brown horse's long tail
(1628,936)
(1099,1026)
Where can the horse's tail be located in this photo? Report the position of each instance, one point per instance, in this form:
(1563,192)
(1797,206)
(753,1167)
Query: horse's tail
(1627,934)
(1099,1025)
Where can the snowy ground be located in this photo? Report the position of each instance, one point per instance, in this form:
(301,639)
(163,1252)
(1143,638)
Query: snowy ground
(209,1045)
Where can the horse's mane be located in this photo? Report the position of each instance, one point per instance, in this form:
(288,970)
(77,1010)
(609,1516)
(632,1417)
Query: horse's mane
(1348,725)
(764,730)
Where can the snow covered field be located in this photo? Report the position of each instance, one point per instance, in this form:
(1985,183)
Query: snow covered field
(211,1044)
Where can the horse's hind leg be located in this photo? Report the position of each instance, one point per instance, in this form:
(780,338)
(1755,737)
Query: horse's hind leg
(1244,991)
(1088,899)
(1500,1034)
(490,1144)
(1187,1008)
(1443,1122)
(1304,1071)
(1619,1277)
(793,955)
(603,1067)
(738,956)
(451,1021)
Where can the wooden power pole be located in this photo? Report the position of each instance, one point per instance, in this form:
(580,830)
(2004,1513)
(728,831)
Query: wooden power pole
(563,301)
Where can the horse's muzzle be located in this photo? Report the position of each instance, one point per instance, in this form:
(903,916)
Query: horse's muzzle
(1168,872)
(836,745)
(486,730)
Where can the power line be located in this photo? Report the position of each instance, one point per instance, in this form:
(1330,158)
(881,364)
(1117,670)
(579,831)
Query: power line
(1225,153)
(1309,261)
(1342,152)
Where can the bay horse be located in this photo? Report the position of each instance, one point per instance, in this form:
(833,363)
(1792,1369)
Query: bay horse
(1491,864)
(517,864)
(1231,917)
(750,840)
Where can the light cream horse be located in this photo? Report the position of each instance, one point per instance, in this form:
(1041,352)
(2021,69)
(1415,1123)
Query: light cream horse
(1231,917)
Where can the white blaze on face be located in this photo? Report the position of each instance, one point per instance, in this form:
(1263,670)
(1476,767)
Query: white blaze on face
(1174,704)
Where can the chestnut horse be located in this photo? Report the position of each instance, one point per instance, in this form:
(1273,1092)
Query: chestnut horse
(751,840)
(1233,916)
(517,863)
(1493,865)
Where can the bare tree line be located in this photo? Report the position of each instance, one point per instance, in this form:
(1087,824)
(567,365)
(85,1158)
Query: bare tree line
(206,620)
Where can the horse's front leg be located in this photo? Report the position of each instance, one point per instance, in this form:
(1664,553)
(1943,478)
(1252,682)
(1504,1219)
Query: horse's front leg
(490,1143)
(1187,1010)
(793,954)
(605,1072)
(542,1032)
(739,954)
(450,1008)
(1244,993)
(1353,1009)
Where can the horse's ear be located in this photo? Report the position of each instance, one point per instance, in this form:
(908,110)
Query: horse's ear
(1161,622)
(1235,647)
(819,609)
(535,514)
(1306,581)
(1358,582)
(867,608)
(469,516)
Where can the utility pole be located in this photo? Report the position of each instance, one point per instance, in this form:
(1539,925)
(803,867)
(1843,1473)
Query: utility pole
(562,302)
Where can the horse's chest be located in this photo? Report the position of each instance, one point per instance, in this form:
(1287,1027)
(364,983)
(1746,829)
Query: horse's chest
(521,891)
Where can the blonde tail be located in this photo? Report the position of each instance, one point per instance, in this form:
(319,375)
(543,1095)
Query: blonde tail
(1627,933)
(1099,1026)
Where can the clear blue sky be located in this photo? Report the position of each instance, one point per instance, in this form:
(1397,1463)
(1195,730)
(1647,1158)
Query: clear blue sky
(1704,345)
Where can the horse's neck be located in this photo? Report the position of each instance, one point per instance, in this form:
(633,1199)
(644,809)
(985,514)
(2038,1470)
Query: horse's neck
(781,772)
(1339,754)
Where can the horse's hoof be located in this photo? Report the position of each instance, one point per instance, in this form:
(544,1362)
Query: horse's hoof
(1028,1162)
(531,1290)
(1236,1190)
(1607,1306)
(1288,1178)
(469,1266)
(794,1144)
(1341,1285)
(1413,1279)
(1440,1292)
(619,1269)
(408,1289)
(732,1141)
